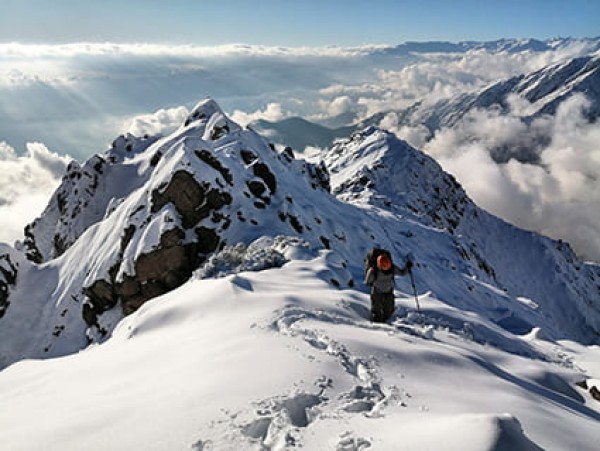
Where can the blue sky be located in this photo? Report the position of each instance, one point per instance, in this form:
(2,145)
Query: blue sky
(293,23)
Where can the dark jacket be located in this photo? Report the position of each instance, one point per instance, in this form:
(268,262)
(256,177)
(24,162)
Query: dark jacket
(383,281)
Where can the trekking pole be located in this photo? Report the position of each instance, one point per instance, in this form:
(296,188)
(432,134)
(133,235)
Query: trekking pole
(412,280)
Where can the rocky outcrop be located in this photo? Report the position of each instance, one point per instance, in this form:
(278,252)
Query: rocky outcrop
(591,388)
(171,262)
(8,278)
(193,201)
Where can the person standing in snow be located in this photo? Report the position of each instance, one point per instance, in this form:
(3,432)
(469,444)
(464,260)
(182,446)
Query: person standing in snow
(380,278)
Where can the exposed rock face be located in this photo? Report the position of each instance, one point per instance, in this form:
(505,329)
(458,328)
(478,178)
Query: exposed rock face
(159,271)
(191,204)
(172,261)
(591,389)
(193,201)
(8,278)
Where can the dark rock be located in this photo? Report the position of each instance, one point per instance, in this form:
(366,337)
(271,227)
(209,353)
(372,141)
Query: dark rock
(219,131)
(157,264)
(32,252)
(99,165)
(320,175)
(214,163)
(186,194)
(262,170)
(595,393)
(8,277)
(288,153)
(156,158)
(59,245)
(248,156)
(127,236)
(159,271)
(102,297)
(256,187)
(218,199)
(8,269)
(295,223)
(208,240)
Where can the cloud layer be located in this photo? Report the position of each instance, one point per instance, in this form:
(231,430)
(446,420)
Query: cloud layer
(26,184)
(560,197)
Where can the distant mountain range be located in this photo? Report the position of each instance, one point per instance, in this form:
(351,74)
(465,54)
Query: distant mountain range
(500,45)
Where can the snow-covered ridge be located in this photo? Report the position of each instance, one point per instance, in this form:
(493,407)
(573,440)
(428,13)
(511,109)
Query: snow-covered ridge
(374,168)
(136,223)
(544,89)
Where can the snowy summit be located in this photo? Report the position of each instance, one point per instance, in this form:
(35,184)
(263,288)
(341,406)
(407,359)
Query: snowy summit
(204,291)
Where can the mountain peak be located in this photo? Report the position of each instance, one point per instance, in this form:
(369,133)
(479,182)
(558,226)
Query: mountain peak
(208,115)
(204,109)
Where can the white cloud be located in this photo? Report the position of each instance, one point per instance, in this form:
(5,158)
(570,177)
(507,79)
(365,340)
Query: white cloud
(338,106)
(416,136)
(75,97)
(26,183)
(560,197)
(161,122)
(272,112)
(436,76)
(19,50)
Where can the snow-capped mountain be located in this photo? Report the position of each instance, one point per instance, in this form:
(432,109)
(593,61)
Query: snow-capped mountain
(543,91)
(150,247)
(498,46)
(135,223)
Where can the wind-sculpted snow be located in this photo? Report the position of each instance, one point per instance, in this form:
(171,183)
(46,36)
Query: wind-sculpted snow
(280,359)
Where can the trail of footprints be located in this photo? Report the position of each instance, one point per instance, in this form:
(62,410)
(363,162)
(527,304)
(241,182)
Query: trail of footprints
(279,421)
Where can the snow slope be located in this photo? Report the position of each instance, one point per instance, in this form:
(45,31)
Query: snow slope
(280,359)
(148,308)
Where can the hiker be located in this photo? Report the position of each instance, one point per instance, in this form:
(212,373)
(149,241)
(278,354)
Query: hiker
(380,272)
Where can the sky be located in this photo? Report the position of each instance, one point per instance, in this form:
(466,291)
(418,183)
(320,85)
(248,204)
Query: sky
(293,23)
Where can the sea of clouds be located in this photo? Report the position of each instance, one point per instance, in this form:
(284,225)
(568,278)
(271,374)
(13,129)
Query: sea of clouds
(76,98)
